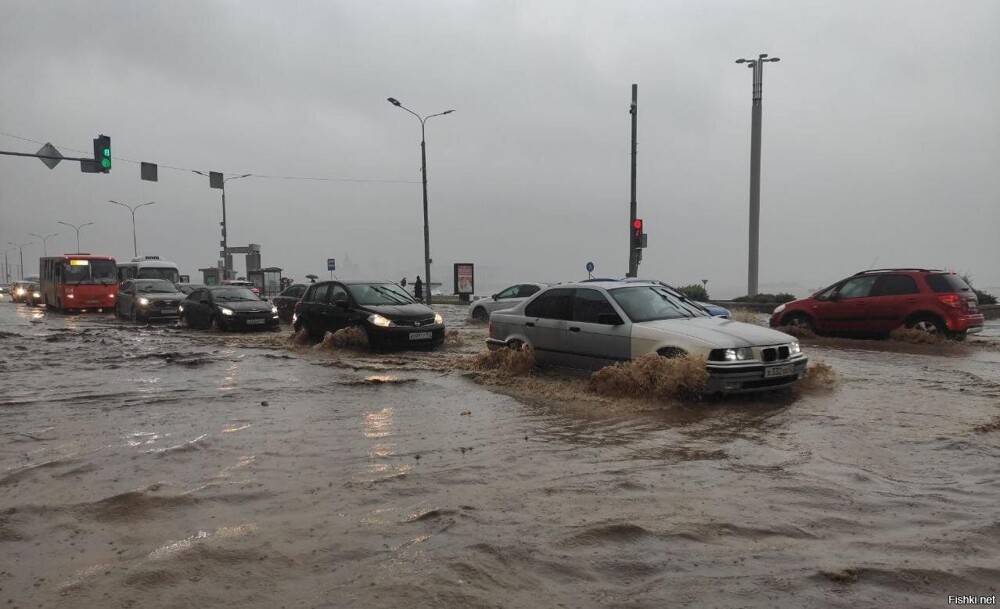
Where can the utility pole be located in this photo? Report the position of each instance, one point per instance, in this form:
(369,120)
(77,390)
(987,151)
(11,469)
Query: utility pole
(755,124)
(45,241)
(634,253)
(131,208)
(20,250)
(77,229)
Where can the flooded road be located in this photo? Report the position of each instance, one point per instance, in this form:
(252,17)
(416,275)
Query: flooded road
(162,467)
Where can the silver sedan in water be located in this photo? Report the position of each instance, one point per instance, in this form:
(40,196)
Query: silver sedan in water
(504,299)
(591,325)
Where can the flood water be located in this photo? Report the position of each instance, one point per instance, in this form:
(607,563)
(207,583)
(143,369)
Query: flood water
(162,467)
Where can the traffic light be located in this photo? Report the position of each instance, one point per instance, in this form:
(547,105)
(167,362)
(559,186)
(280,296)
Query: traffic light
(636,228)
(102,153)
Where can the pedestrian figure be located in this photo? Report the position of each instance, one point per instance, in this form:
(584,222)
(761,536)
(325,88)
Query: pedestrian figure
(418,289)
(403,282)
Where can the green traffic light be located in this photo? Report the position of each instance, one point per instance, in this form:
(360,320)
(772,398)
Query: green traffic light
(106,163)
(107,152)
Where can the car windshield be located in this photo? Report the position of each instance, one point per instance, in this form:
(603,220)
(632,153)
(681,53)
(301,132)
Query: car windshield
(233,294)
(155,287)
(379,294)
(647,303)
(90,271)
(168,274)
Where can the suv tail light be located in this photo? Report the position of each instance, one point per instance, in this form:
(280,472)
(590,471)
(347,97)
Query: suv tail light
(951,300)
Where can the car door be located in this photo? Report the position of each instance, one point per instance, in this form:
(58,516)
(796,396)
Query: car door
(316,316)
(850,305)
(196,309)
(892,297)
(505,299)
(597,334)
(337,311)
(546,326)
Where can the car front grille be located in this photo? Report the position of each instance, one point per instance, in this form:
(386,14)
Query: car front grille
(409,323)
(773,354)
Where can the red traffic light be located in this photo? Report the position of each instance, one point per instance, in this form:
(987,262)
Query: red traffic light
(637,227)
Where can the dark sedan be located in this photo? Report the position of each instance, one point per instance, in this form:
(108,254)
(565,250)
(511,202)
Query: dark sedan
(386,311)
(287,299)
(227,307)
(187,288)
(144,299)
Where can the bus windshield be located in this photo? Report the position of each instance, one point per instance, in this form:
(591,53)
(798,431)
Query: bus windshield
(77,272)
(170,274)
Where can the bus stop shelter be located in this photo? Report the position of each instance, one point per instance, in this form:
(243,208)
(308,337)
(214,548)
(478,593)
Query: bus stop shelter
(267,280)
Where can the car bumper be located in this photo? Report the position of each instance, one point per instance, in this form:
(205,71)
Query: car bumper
(749,379)
(406,336)
(970,324)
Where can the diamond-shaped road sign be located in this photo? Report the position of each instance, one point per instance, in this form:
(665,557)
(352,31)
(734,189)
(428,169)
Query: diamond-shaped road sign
(49,150)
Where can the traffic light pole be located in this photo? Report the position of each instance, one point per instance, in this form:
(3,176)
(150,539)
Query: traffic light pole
(633,245)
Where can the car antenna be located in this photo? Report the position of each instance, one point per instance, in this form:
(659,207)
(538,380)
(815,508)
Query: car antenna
(872,265)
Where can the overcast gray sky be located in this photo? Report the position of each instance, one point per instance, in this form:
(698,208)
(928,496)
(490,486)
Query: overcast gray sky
(881,134)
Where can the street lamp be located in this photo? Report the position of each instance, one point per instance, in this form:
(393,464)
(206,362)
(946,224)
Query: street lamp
(135,248)
(423,171)
(77,229)
(20,249)
(758,82)
(6,265)
(225,232)
(45,247)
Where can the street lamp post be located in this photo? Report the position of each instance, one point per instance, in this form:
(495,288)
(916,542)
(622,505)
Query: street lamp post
(20,250)
(45,239)
(423,171)
(77,229)
(6,265)
(131,208)
(758,79)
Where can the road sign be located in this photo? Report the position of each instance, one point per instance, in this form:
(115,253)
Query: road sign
(50,150)
(590,267)
(331,264)
(148,171)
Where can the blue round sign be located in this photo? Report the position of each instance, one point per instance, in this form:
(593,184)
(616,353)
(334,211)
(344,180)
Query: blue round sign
(590,267)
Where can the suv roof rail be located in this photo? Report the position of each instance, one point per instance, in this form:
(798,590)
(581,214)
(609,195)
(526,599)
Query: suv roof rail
(895,270)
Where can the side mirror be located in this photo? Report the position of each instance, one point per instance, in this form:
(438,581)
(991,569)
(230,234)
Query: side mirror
(341,304)
(494,297)
(609,319)
(834,297)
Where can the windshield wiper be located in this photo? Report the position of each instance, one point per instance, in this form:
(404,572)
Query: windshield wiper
(391,296)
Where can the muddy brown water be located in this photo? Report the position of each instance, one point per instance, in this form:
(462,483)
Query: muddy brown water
(162,467)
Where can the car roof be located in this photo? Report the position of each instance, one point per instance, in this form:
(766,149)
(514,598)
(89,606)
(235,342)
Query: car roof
(607,284)
(226,285)
(353,281)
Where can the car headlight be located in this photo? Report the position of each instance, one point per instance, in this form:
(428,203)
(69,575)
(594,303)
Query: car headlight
(738,355)
(274,310)
(377,320)
(225,311)
(794,348)
(779,309)
(295,318)
(181,308)
(144,301)
(438,319)
(20,291)
(37,295)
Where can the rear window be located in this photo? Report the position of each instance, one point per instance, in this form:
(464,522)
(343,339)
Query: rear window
(949,282)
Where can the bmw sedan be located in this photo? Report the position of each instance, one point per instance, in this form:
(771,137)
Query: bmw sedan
(504,299)
(590,325)
(227,307)
(387,312)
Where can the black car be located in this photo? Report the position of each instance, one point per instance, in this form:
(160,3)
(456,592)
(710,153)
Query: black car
(32,295)
(144,299)
(287,299)
(386,311)
(227,307)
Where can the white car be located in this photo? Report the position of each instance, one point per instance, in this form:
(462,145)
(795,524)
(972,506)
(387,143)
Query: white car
(480,309)
(589,325)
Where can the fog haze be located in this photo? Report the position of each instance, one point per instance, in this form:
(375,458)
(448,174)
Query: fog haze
(881,135)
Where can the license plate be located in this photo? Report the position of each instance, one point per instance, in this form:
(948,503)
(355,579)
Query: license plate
(93,301)
(168,311)
(420,335)
(785,370)
(255,322)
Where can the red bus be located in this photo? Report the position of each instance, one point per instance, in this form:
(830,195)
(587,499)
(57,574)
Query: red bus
(78,282)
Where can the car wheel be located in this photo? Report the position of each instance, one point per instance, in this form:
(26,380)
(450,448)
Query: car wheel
(798,320)
(671,352)
(928,324)
(480,314)
(218,323)
(311,332)
(958,336)
(515,344)
(136,318)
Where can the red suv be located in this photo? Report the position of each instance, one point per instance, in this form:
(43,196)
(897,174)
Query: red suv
(877,302)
